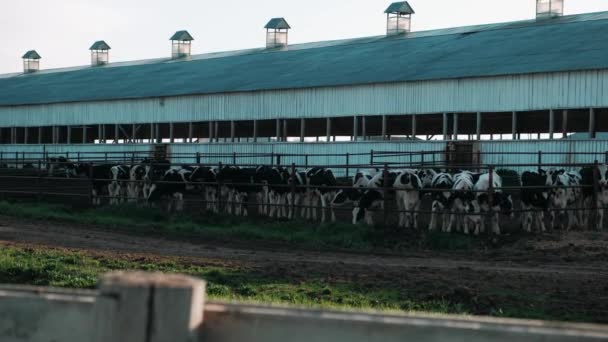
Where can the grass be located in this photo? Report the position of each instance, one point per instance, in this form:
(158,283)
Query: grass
(63,268)
(224,228)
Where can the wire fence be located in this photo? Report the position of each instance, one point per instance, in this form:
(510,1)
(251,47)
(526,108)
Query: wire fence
(52,178)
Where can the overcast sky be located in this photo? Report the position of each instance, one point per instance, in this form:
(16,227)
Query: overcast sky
(63,30)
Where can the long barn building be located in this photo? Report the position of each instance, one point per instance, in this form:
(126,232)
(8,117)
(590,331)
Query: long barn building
(403,91)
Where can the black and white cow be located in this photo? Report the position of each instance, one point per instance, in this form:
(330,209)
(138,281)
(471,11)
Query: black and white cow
(601,175)
(61,167)
(441,192)
(321,188)
(171,187)
(495,203)
(155,170)
(136,182)
(236,184)
(534,199)
(407,187)
(202,179)
(278,187)
(117,189)
(101,176)
(465,208)
(352,194)
(565,193)
(373,197)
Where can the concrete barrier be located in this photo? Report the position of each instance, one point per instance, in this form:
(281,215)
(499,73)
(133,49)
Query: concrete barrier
(141,307)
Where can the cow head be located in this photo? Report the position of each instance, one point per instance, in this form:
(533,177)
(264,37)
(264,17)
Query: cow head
(426,177)
(505,203)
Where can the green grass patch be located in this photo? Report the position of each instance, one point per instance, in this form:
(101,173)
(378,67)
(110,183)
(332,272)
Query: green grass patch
(60,268)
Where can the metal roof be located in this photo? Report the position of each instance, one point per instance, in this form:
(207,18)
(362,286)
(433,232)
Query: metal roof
(182,36)
(568,43)
(400,8)
(32,54)
(278,24)
(100,45)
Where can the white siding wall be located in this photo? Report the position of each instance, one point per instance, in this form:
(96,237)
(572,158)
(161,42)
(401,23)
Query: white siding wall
(492,94)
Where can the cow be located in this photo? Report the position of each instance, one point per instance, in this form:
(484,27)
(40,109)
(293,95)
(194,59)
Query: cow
(352,194)
(465,208)
(492,203)
(321,184)
(66,168)
(120,176)
(565,193)
(171,186)
(441,187)
(201,180)
(297,194)
(534,199)
(100,175)
(373,197)
(155,170)
(589,182)
(136,181)
(408,185)
(236,183)
(277,179)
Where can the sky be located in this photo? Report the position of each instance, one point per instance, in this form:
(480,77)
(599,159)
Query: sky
(63,30)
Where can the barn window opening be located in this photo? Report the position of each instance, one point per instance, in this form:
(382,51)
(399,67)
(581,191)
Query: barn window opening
(277,33)
(100,53)
(398,18)
(181,44)
(31,61)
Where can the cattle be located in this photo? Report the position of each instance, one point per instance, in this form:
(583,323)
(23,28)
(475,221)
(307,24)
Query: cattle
(465,208)
(353,193)
(201,180)
(373,197)
(492,202)
(61,167)
(408,185)
(321,184)
(136,182)
(565,192)
(236,184)
(172,187)
(441,192)
(534,199)
(100,175)
(277,179)
(155,170)
(119,175)
(589,182)
(297,194)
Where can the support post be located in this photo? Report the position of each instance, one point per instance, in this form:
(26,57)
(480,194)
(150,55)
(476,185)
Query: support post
(84,134)
(255,131)
(116,133)
(54,137)
(328,129)
(364,128)
(151,133)
(551,124)
(103,133)
(232,131)
(565,124)
(591,123)
(133,134)
(514,125)
(210,131)
(355,128)
(478,130)
(25,135)
(190,132)
(285,133)
(171,136)
(39,135)
(157,138)
(278,129)
(302,129)
(13,135)
(216,131)
(414,128)
(455,116)
(150,307)
(445,126)
(384,127)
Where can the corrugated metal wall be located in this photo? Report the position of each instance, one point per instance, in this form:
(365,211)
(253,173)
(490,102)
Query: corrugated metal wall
(492,94)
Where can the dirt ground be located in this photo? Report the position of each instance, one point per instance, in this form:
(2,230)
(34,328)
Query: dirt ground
(564,274)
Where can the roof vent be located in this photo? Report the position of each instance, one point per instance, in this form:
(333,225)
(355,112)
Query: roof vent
(277,33)
(398,18)
(31,61)
(181,43)
(100,53)
(549,8)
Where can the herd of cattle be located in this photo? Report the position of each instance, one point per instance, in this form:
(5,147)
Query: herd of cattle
(460,201)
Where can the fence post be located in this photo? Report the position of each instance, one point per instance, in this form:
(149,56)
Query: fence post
(478,160)
(606,158)
(594,215)
(198,158)
(540,160)
(150,307)
(219,189)
(16,160)
(347,164)
(278,160)
(306,161)
(106,156)
(371,158)
(38,179)
(422,161)
(91,185)
(234,158)
(292,205)
(385,186)
(491,193)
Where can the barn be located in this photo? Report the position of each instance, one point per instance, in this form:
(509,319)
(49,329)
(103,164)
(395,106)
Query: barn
(501,91)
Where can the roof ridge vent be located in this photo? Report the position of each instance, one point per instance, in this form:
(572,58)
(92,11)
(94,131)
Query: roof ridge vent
(549,8)
(181,44)
(398,18)
(277,33)
(100,53)
(31,62)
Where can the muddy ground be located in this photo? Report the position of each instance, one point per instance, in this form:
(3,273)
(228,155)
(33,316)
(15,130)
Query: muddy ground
(563,274)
